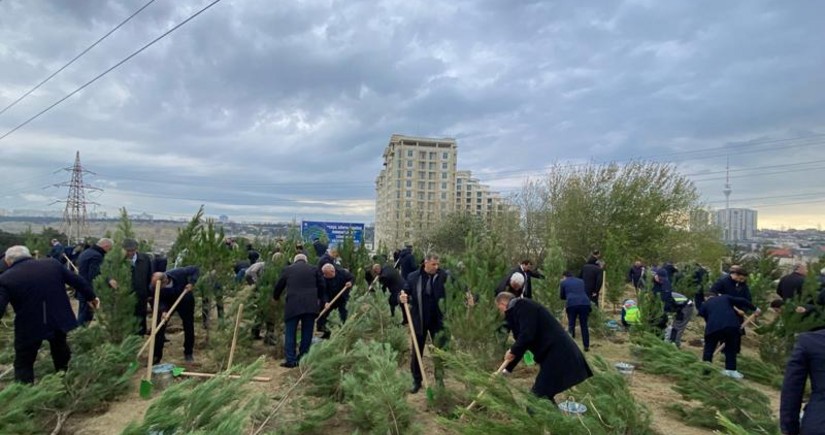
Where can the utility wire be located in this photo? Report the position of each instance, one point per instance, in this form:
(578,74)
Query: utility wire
(36,87)
(112,68)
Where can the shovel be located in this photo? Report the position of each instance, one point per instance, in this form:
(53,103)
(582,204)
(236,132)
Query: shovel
(473,403)
(146,383)
(162,323)
(181,371)
(331,303)
(744,323)
(234,338)
(430,394)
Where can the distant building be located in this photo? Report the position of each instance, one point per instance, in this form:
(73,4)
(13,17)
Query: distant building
(419,185)
(223,219)
(737,224)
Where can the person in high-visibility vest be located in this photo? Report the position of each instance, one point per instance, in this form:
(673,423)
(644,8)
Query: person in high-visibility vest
(683,307)
(631,316)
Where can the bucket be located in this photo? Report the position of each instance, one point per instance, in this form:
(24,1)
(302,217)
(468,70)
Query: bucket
(625,368)
(612,325)
(569,407)
(162,375)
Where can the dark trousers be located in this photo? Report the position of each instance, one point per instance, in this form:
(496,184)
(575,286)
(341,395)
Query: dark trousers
(140,314)
(731,338)
(542,385)
(26,354)
(186,312)
(84,313)
(206,309)
(439,341)
(342,314)
(581,312)
(594,297)
(291,336)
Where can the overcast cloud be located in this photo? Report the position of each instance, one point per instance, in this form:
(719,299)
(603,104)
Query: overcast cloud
(272,110)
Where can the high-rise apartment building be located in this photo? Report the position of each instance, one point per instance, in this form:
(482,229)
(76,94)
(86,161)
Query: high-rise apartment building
(737,224)
(419,185)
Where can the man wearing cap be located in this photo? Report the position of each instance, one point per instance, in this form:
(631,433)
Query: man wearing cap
(790,285)
(142,271)
(174,283)
(733,284)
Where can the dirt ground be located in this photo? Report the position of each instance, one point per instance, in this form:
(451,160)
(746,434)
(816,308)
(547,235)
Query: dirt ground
(653,391)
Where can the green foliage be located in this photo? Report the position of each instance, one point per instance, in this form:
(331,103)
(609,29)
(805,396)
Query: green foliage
(355,259)
(760,372)
(705,387)
(218,405)
(24,405)
(375,391)
(652,310)
(117,307)
(449,235)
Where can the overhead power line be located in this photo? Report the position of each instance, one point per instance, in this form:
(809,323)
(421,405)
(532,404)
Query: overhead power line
(58,71)
(110,69)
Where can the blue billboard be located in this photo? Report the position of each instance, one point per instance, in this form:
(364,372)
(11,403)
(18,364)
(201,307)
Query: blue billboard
(335,231)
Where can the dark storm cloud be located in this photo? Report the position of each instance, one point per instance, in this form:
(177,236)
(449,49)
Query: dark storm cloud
(252,108)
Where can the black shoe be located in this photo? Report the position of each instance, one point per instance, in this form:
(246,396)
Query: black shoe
(326,335)
(189,358)
(416,387)
(156,360)
(289,365)
(587,349)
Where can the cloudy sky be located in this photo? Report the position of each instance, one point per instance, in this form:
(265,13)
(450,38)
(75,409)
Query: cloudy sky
(269,110)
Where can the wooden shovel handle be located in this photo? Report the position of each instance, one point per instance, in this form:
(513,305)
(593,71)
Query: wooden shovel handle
(499,370)
(151,341)
(234,337)
(211,375)
(415,345)
(163,321)
(326,309)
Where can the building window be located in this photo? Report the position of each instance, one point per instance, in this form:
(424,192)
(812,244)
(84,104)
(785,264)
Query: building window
(421,195)
(407,204)
(422,175)
(458,194)
(398,194)
(444,165)
(398,184)
(443,175)
(409,163)
(409,174)
(421,185)
(443,195)
(422,165)
(409,153)
(409,183)
(422,155)
(408,194)
(443,185)
(431,186)
(432,166)
(445,156)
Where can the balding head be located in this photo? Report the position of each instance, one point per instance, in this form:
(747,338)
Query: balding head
(105,244)
(328,270)
(299,257)
(16,253)
(516,281)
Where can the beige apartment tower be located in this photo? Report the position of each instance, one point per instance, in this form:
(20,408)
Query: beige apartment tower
(419,185)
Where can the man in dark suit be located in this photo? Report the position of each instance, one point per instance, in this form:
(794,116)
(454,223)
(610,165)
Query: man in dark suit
(406,261)
(390,280)
(174,283)
(790,285)
(335,280)
(592,275)
(36,289)
(807,360)
(142,271)
(305,292)
(423,291)
(319,246)
(88,265)
(525,268)
(722,325)
(561,364)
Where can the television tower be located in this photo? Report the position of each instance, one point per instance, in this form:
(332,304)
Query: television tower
(74,215)
(727,190)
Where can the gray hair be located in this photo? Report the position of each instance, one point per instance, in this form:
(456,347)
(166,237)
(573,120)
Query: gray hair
(327,267)
(17,252)
(504,297)
(299,257)
(517,278)
(104,242)
(431,257)
(799,266)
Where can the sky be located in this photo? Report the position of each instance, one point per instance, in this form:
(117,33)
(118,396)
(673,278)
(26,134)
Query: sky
(269,111)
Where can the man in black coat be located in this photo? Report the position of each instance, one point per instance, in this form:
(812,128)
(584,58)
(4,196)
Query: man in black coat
(390,280)
(722,325)
(406,260)
(36,289)
(807,360)
(733,284)
(561,364)
(174,283)
(142,270)
(635,276)
(336,279)
(329,257)
(790,285)
(513,283)
(593,275)
(319,246)
(424,289)
(305,292)
(88,265)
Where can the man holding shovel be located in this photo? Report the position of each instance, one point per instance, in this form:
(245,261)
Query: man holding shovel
(390,280)
(562,364)
(424,290)
(336,279)
(305,291)
(722,325)
(174,284)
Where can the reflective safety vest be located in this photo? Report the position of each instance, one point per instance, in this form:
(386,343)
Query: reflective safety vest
(680,299)
(632,315)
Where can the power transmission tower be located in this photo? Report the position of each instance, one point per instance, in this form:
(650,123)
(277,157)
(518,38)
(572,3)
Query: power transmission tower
(74,215)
